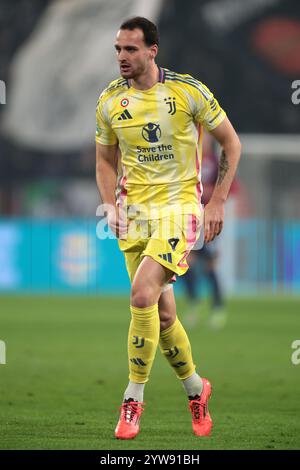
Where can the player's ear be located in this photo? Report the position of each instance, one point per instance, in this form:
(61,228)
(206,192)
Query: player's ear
(153,51)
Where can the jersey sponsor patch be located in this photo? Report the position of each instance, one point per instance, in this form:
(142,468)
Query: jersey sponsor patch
(151,132)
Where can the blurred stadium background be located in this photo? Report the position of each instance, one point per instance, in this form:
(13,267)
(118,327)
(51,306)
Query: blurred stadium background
(55,58)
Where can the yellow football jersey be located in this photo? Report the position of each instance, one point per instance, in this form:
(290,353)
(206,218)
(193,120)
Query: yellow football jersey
(159,132)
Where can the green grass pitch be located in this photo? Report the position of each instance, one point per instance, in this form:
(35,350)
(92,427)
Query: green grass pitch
(67,369)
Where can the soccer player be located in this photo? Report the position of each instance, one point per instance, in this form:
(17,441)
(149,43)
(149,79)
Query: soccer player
(155,117)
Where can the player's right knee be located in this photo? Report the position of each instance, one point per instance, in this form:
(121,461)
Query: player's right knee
(141,299)
(143,295)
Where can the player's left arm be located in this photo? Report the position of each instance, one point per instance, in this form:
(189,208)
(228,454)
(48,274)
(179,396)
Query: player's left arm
(225,134)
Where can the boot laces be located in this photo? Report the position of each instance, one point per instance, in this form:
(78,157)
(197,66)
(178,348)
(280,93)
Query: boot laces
(198,409)
(130,410)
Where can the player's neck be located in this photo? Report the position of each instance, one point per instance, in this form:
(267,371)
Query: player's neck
(147,80)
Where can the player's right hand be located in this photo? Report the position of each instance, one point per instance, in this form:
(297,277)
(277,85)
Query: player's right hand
(118,222)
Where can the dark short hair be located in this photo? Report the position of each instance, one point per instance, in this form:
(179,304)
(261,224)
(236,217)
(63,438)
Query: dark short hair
(149,29)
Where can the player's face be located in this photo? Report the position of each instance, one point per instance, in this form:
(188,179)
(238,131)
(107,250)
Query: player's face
(134,56)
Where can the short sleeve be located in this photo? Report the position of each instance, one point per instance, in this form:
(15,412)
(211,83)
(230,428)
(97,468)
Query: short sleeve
(207,109)
(104,133)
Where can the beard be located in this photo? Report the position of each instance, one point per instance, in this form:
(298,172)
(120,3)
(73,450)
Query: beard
(131,72)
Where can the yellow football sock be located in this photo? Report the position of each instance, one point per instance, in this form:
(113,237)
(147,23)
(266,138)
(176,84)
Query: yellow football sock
(175,346)
(143,339)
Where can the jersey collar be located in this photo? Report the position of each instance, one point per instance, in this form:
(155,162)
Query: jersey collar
(161,77)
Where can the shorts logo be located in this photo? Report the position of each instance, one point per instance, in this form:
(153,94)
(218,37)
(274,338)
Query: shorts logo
(124,102)
(172,104)
(151,132)
(166,257)
(173,242)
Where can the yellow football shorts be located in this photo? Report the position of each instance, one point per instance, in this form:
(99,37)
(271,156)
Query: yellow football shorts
(167,240)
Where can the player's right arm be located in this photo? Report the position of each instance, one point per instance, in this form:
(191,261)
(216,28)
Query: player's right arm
(107,172)
(107,166)
(106,177)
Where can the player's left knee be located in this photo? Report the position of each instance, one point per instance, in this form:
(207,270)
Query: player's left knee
(165,324)
(166,319)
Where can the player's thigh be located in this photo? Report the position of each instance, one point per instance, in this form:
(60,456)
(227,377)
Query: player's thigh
(151,277)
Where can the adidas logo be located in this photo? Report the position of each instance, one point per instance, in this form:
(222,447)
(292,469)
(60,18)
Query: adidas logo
(166,257)
(138,361)
(179,364)
(125,115)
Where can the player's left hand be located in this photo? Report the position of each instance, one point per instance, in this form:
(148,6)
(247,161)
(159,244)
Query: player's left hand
(213,220)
